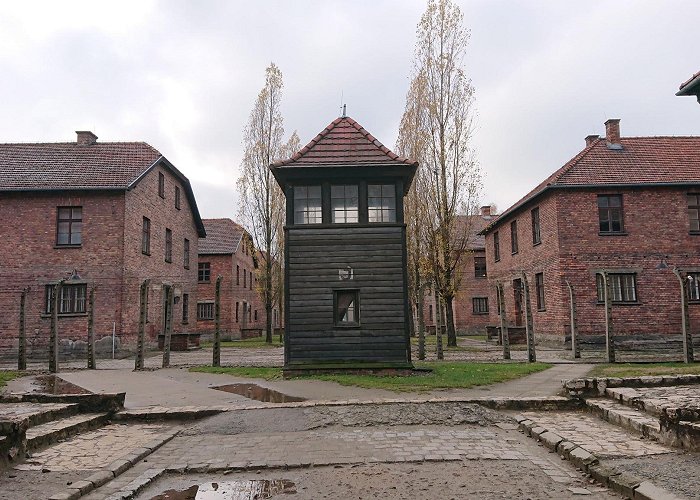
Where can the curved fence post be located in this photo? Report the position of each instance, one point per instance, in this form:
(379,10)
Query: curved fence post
(169,299)
(529,326)
(91,331)
(217,323)
(505,340)
(143,314)
(688,356)
(22,340)
(575,344)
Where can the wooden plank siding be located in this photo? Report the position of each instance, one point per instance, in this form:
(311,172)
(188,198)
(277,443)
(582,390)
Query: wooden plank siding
(376,255)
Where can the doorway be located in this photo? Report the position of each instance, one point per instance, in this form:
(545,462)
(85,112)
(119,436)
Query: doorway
(518,299)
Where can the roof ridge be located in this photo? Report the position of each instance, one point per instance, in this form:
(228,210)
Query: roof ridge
(328,129)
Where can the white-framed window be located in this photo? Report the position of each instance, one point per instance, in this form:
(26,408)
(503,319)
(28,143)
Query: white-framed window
(307,205)
(344,204)
(381,202)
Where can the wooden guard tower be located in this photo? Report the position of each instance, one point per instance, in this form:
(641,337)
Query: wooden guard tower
(345,252)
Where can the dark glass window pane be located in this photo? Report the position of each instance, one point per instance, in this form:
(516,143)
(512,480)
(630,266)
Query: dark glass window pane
(381,202)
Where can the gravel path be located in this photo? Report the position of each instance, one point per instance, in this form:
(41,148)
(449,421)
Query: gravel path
(485,480)
(678,473)
(301,419)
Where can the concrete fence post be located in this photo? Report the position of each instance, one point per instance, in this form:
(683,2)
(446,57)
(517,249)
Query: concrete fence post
(53,338)
(505,340)
(169,304)
(688,356)
(217,323)
(143,315)
(91,364)
(22,340)
(609,326)
(529,326)
(575,344)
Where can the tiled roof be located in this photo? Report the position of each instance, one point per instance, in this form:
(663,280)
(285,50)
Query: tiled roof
(44,166)
(476,223)
(689,87)
(344,142)
(641,161)
(223,237)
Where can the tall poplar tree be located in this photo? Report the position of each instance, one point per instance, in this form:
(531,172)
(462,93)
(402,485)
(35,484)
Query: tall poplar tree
(446,100)
(262,201)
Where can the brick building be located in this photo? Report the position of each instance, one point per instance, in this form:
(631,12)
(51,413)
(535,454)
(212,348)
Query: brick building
(228,251)
(98,215)
(624,205)
(471,304)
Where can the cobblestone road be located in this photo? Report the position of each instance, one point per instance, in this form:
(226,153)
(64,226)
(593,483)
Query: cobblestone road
(92,450)
(343,447)
(598,437)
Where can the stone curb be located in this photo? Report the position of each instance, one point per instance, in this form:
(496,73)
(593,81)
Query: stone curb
(196,412)
(117,467)
(583,387)
(622,482)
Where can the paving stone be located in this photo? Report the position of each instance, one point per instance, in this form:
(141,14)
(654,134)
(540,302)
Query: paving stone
(647,491)
(100,478)
(550,440)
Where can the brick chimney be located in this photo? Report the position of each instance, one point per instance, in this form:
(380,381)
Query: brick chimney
(485,211)
(86,138)
(612,133)
(590,139)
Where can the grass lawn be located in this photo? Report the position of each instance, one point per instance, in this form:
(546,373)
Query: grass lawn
(443,376)
(254,343)
(6,376)
(642,369)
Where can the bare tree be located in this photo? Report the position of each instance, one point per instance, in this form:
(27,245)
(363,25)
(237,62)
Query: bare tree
(447,101)
(262,202)
(411,144)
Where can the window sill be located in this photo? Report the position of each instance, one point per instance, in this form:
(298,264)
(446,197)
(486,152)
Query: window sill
(541,310)
(65,315)
(616,233)
(694,233)
(637,303)
(148,254)
(168,261)
(536,243)
(187,267)
(350,325)
(480,313)
(204,282)
(514,253)
(205,319)
(68,246)
(479,277)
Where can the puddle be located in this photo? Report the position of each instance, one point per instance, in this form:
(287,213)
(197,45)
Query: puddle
(231,490)
(252,391)
(51,384)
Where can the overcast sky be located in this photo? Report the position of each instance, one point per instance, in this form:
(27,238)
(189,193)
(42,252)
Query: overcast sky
(183,75)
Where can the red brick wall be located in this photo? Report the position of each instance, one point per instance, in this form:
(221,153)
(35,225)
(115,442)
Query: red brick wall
(470,286)
(144,201)
(30,258)
(232,291)
(656,226)
(531,258)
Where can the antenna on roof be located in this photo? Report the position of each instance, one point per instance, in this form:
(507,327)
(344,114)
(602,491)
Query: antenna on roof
(344,110)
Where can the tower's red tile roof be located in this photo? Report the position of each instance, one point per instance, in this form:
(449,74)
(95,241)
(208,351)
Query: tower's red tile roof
(344,142)
(46,166)
(223,237)
(641,161)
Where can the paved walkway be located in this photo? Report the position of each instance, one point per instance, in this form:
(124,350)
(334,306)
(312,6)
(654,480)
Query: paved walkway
(403,444)
(176,387)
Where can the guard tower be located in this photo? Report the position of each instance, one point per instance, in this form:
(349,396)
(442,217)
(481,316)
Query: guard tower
(345,252)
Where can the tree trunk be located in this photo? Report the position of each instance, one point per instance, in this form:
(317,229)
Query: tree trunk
(421,324)
(450,323)
(268,296)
